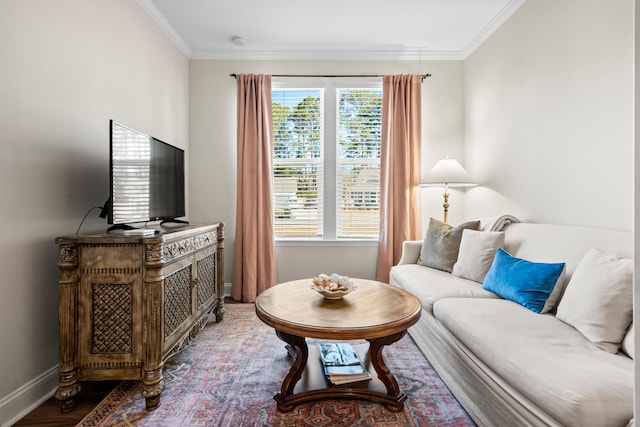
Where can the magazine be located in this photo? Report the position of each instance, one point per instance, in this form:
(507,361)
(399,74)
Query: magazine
(342,364)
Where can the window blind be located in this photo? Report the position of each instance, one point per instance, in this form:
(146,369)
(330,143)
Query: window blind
(359,131)
(298,163)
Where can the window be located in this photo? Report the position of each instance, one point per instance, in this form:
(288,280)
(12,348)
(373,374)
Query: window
(327,161)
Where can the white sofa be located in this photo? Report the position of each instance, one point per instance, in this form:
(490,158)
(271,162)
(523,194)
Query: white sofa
(510,366)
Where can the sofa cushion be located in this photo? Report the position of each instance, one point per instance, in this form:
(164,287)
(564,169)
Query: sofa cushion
(430,285)
(547,361)
(598,300)
(441,244)
(528,283)
(476,253)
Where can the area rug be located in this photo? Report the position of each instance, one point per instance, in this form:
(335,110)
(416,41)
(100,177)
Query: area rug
(229,373)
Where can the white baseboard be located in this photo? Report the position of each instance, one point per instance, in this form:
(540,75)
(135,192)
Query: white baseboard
(28,397)
(227,289)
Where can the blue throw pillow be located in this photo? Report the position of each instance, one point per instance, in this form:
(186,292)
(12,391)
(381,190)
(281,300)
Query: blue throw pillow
(525,282)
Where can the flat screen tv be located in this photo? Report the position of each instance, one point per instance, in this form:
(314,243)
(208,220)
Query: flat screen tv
(146,179)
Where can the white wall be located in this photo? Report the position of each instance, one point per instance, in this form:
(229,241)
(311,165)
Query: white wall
(549,115)
(213,150)
(66,68)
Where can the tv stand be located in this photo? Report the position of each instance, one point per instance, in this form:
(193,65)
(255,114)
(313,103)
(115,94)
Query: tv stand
(128,303)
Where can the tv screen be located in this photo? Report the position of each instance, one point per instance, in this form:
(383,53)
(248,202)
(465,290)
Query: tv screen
(146,176)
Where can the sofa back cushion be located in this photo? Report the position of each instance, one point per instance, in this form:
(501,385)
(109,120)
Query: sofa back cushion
(566,243)
(569,244)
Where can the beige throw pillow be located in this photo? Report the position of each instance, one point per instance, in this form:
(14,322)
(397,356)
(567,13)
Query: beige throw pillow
(598,300)
(441,244)
(476,254)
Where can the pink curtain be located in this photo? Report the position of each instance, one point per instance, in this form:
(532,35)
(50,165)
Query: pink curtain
(254,268)
(400,210)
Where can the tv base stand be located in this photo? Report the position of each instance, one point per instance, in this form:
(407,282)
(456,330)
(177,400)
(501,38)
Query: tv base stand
(120,227)
(174,221)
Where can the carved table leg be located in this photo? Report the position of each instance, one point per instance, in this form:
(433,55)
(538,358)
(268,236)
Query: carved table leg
(384,374)
(152,387)
(220,310)
(296,346)
(68,389)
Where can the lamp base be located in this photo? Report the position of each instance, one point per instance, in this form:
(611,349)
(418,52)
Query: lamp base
(445,205)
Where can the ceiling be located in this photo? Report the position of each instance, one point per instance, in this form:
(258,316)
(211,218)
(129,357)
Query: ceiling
(330,29)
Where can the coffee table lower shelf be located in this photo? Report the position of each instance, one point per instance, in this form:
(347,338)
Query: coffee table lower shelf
(306,381)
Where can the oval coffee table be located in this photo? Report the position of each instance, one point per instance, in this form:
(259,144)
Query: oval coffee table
(376,312)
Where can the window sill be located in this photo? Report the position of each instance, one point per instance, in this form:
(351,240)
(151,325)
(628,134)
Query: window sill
(327,243)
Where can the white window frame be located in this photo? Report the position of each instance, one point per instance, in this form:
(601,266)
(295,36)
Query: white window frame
(330,156)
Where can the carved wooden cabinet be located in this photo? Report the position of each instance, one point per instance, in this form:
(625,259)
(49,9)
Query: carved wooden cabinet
(128,303)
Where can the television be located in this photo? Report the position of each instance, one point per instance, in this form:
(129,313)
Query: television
(146,178)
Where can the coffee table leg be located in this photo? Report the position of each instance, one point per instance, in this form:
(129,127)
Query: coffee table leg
(297,347)
(384,374)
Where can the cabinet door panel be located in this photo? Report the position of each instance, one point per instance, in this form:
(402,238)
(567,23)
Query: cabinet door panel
(178,302)
(112,338)
(206,270)
(110,295)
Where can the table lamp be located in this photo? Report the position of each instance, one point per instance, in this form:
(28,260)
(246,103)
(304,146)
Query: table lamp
(450,173)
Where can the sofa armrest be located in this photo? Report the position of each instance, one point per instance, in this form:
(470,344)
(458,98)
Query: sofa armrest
(410,252)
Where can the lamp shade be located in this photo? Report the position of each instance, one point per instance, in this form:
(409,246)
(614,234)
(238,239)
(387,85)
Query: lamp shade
(449,172)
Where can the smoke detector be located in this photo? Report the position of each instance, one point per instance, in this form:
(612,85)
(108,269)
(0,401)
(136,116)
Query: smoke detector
(239,41)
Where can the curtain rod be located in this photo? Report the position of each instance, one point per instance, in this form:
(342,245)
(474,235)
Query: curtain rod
(424,76)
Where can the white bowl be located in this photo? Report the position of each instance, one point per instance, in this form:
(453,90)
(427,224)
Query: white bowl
(336,294)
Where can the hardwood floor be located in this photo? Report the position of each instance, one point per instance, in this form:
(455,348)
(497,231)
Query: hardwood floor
(48,414)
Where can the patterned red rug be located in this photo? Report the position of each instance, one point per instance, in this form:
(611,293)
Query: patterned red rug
(230,372)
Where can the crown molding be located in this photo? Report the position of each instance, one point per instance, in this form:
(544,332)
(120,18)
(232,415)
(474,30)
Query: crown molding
(410,54)
(404,55)
(500,18)
(165,26)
